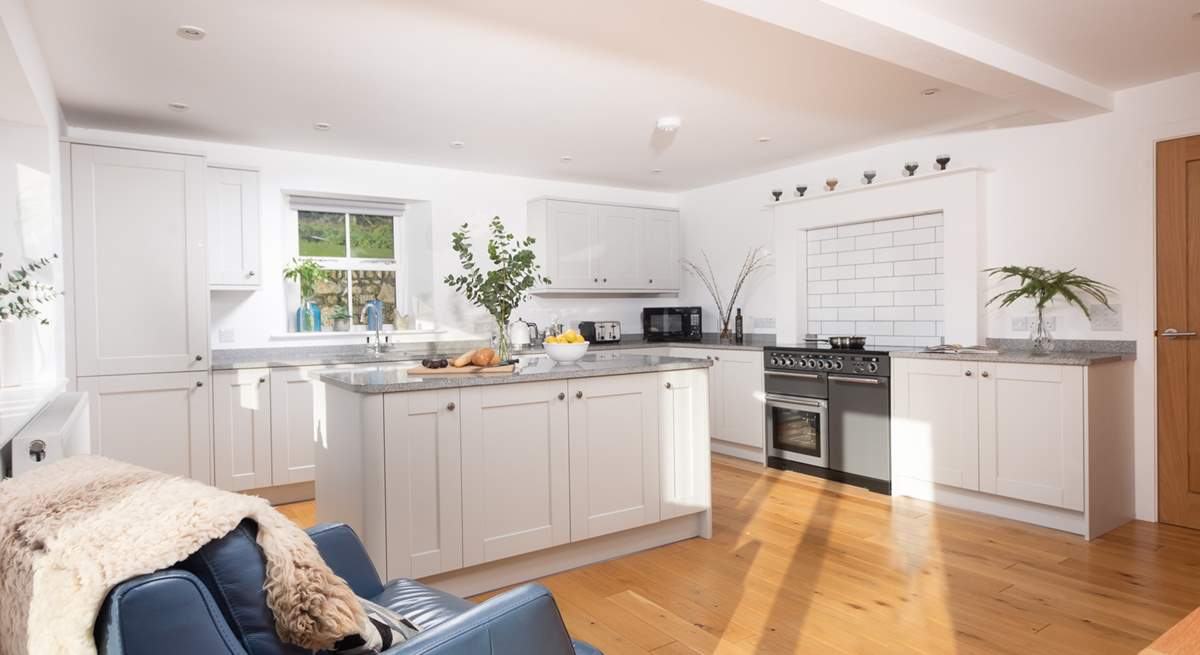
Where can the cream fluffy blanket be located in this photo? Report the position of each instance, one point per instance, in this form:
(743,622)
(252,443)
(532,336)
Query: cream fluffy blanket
(71,531)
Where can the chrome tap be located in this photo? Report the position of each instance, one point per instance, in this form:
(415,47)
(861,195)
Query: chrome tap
(365,317)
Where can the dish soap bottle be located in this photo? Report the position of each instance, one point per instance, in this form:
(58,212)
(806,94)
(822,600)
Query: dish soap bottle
(738,336)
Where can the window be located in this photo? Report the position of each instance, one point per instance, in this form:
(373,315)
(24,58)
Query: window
(358,242)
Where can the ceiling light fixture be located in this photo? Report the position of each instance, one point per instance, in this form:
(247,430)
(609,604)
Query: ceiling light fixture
(669,123)
(566,159)
(656,171)
(321,127)
(763,139)
(457,145)
(191,32)
(931,92)
(177,106)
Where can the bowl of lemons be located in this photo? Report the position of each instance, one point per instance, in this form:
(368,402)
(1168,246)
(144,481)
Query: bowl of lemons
(566,347)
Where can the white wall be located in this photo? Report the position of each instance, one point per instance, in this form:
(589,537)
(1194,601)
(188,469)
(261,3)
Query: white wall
(455,197)
(1064,195)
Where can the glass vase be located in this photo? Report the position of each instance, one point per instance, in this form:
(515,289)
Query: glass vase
(307,318)
(1039,336)
(502,341)
(726,334)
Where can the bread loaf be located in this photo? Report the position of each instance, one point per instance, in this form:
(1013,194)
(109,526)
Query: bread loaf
(482,357)
(464,359)
(495,360)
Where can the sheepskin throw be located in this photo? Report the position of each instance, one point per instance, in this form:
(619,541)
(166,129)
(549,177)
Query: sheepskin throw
(71,531)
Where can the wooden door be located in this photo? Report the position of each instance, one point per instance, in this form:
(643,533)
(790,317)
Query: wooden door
(683,439)
(614,446)
(140,280)
(515,470)
(160,421)
(242,429)
(570,260)
(424,482)
(1178,203)
(233,227)
(935,422)
(617,247)
(660,250)
(1031,433)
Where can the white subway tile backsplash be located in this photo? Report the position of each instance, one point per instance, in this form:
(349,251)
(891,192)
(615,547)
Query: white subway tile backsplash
(873,270)
(873,241)
(882,280)
(927,235)
(854,257)
(893,284)
(854,230)
(941,264)
(858,285)
(896,253)
(919,267)
(941,297)
(940,234)
(897,313)
(838,245)
(915,298)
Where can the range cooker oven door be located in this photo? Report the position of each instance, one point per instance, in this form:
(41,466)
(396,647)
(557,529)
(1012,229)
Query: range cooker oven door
(797,429)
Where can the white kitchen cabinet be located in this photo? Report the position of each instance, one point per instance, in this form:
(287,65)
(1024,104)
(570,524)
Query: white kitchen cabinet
(685,462)
(242,429)
(422,450)
(605,248)
(140,286)
(1031,433)
(515,469)
(233,228)
(297,423)
(935,421)
(614,450)
(736,389)
(157,420)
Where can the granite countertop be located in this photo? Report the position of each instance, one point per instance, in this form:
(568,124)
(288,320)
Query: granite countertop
(395,378)
(238,358)
(1016,351)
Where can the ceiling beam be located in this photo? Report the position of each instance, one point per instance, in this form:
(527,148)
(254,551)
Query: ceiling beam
(891,31)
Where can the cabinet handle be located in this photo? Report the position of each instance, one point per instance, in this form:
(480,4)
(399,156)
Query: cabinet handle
(450,406)
(968,373)
(595,279)
(651,281)
(579,394)
(199,384)
(717,358)
(562,396)
(262,380)
(668,385)
(199,358)
(983,373)
(249,273)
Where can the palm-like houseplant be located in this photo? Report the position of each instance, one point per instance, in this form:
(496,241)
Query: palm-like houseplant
(1042,286)
(500,290)
(308,273)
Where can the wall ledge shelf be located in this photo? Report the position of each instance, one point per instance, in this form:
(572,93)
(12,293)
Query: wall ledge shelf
(876,185)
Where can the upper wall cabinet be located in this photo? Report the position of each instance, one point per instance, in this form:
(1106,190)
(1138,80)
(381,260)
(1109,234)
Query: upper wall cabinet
(233,228)
(605,248)
(140,284)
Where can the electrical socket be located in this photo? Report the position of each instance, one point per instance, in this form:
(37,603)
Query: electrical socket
(764,323)
(226,336)
(1105,319)
(1020,324)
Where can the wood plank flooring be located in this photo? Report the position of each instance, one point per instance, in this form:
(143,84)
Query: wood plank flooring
(801,565)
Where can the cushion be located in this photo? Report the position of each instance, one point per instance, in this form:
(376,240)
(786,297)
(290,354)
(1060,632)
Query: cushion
(425,607)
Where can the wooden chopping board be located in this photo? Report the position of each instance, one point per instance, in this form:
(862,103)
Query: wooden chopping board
(450,370)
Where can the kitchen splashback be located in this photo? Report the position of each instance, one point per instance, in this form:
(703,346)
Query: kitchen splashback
(882,280)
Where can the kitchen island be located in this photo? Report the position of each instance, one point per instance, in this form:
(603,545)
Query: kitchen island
(475,481)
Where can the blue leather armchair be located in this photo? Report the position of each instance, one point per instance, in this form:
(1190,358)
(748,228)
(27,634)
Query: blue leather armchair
(213,604)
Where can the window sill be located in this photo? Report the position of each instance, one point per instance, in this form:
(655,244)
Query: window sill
(353,334)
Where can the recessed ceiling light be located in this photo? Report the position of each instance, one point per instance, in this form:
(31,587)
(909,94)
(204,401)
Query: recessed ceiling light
(457,145)
(669,123)
(177,106)
(566,159)
(763,139)
(321,127)
(931,92)
(191,32)
(656,171)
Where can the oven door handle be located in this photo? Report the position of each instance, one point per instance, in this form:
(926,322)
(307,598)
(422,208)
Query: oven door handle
(806,376)
(785,401)
(838,378)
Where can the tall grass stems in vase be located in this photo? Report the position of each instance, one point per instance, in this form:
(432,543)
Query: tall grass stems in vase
(1042,286)
(500,290)
(756,259)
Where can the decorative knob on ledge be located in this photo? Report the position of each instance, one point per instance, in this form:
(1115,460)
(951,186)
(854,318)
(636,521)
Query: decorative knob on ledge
(450,406)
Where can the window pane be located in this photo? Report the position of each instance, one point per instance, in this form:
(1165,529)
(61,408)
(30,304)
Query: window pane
(329,296)
(371,237)
(322,234)
(375,285)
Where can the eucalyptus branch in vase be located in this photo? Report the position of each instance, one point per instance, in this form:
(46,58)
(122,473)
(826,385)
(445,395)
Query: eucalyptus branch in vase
(756,259)
(20,293)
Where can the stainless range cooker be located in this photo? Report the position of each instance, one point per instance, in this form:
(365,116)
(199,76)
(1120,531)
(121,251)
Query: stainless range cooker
(829,413)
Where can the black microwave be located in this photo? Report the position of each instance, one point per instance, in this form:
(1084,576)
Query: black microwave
(672,324)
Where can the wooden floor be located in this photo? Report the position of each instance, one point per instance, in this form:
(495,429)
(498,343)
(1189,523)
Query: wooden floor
(801,565)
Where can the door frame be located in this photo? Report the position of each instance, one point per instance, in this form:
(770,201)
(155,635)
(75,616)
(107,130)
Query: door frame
(1152,136)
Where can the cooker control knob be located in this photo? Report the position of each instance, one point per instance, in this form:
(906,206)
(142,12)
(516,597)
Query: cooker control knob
(837,365)
(812,363)
(872,367)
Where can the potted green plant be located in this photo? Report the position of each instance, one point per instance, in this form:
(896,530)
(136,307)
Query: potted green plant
(500,290)
(1042,286)
(341,319)
(308,274)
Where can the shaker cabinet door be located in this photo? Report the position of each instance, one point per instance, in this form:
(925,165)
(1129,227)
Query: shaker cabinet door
(570,255)
(683,440)
(233,228)
(242,429)
(617,251)
(935,421)
(660,250)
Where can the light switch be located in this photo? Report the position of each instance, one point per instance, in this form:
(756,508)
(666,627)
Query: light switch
(226,336)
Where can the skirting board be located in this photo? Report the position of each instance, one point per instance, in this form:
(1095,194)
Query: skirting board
(283,494)
(1008,508)
(530,566)
(737,450)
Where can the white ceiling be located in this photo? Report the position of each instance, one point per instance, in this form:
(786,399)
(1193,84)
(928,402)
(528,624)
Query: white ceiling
(1114,43)
(524,82)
